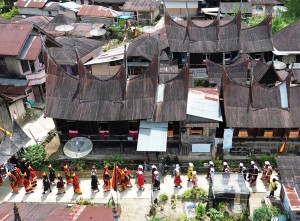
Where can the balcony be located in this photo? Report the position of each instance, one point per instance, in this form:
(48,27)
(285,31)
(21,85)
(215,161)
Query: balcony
(36,78)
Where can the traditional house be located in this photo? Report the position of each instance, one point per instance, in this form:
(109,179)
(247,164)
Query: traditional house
(145,11)
(264,7)
(98,14)
(113,4)
(22,57)
(28,7)
(65,56)
(288,167)
(263,117)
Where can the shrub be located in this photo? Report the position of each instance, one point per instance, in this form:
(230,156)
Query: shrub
(36,154)
(215,215)
(119,160)
(193,194)
(163,197)
(77,165)
(82,201)
(200,211)
(265,213)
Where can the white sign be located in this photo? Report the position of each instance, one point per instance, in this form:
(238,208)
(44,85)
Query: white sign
(201,148)
(227,142)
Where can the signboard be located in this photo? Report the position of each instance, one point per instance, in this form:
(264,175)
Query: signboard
(227,142)
(201,148)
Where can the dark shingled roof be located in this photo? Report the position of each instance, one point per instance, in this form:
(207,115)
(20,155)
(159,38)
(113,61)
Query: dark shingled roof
(237,72)
(66,54)
(145,47)
(203,39)
(141,5)
(259,93)
(94,99)
(288,39)
(239,111)
(230,7)
(177,35)
(173,106)
(258,38)
(265,73)
(229,35)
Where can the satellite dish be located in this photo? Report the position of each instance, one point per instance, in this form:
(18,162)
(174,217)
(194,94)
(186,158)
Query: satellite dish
(278,65)
(64,28)
(98,32)
(78,147)
(148,29)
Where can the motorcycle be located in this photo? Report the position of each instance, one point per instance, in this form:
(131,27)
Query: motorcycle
(166,161)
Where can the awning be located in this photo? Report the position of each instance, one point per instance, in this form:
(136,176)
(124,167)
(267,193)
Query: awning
(152,136)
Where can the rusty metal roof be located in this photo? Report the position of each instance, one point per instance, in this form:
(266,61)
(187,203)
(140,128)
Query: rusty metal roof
(57,212)
(30,3)
(13,37)
(31,49)
(97,11)
(141,5)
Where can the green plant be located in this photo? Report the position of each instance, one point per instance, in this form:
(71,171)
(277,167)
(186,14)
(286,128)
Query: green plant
(119,160)
(78,165)
(35,154)
(163,197)
(215,215)
(265,213)
(193,194)
(82,201)
(9,15)
(200,211)
(218,164)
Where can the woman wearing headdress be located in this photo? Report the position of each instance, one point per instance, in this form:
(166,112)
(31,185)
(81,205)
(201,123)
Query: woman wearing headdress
(18,174)
(190,171)
(269,174)
(127,177)
(13,182)
(46,183)
(106,171)
(60,185)
(94,170)
(33,177)
(156,185)
(68,175)
(27,184)
(52,175)
(177,179)
(195,179)
(123,184)
(76,186)
(107,184)
(154,168)
(94,182)
(140,180)
(265,170)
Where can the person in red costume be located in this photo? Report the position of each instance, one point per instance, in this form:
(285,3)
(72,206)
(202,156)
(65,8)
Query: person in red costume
(106,179)
(76,186)
(177,179)
(13,182)
(18,175)
(68,175)
(140,180)
(127,177)
(33,177)
(27,184)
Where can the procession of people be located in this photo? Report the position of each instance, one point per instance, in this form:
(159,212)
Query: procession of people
(28,178)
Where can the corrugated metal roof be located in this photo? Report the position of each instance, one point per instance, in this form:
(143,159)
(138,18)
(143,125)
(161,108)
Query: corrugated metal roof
(141,5)
(97,11)
(31,49)
(204,102)
(14,82)
(38,20)
(30,3)
(13,37)
(111,55)
(71,6)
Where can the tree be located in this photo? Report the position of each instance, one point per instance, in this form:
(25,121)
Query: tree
(265,213)
(293,9)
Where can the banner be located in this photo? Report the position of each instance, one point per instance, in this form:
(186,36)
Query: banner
(227,142)
(114,178)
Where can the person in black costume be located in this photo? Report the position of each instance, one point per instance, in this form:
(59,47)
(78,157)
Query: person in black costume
(52,175)
(46,183)
(94,182)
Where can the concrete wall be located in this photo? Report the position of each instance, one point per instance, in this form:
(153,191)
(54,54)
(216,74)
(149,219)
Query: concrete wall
(30,93)
(104,69)
(17,109)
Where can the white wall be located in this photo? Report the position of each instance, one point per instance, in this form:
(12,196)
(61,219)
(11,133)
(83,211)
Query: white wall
(17,108)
